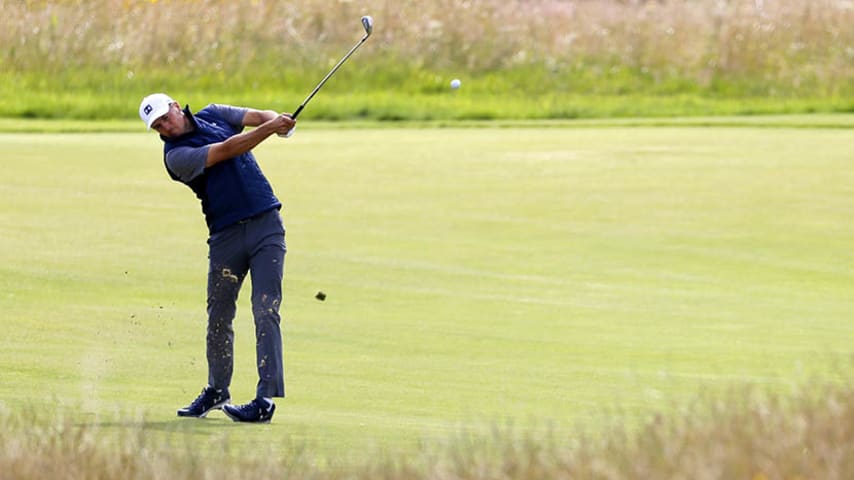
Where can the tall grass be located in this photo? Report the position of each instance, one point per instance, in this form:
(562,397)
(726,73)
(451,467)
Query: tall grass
(747,433)
(525,48)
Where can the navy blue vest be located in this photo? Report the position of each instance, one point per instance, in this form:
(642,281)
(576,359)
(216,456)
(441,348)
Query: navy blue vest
(232,190)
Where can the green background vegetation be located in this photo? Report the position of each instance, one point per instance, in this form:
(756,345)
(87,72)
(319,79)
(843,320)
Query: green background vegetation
(516,59)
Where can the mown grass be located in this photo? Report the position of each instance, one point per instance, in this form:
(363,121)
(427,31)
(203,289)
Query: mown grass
(474,276)
(806,121)
(517,59)
(745,433)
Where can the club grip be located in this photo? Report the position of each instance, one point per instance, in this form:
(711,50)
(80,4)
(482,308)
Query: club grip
(293,116)
(289,134)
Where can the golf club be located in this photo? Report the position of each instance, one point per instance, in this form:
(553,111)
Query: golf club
(368,24)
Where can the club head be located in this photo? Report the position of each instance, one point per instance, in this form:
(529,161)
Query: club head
(368,23)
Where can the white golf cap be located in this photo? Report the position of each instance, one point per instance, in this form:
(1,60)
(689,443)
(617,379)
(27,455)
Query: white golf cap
(153,107)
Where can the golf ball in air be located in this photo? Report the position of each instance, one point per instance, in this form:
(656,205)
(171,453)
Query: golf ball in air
(455,83)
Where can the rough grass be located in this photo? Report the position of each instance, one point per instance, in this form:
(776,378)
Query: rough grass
(708,39)
(538,59)
(746,433)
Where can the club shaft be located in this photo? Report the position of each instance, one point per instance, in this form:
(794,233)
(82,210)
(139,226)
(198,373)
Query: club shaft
(328,75)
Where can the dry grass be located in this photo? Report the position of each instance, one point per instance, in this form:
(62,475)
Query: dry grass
(790,43)
(744,434)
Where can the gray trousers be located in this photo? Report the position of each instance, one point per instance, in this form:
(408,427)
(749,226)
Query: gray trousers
(255,246)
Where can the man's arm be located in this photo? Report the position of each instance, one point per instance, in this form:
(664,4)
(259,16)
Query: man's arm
(253,118)
(267,122)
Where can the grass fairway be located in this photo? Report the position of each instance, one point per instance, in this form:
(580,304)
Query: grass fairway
(474,277)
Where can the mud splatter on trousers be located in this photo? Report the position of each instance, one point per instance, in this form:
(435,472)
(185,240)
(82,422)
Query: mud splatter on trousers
(256,247)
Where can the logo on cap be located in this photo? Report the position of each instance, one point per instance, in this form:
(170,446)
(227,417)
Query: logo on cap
(147,109)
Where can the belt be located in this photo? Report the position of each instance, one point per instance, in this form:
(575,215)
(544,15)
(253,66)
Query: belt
(253,217)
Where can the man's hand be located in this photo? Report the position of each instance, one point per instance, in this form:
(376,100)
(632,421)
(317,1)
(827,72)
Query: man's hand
(282,123)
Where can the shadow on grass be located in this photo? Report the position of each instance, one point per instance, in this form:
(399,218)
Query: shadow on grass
(179,425)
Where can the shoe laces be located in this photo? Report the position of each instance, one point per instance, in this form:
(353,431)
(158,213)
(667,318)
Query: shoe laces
(254,406)
(207,393)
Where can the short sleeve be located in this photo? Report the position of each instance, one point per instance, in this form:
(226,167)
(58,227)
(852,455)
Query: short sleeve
(232,115)
(187,163)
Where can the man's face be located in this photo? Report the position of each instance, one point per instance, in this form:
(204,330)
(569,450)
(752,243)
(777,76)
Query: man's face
(172,124)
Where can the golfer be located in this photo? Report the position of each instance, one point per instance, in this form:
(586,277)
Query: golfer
(207,152)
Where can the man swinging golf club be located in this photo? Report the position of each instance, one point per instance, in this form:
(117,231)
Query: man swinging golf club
(209,152)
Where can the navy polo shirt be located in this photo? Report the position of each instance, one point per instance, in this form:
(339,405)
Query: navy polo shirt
(230,191)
